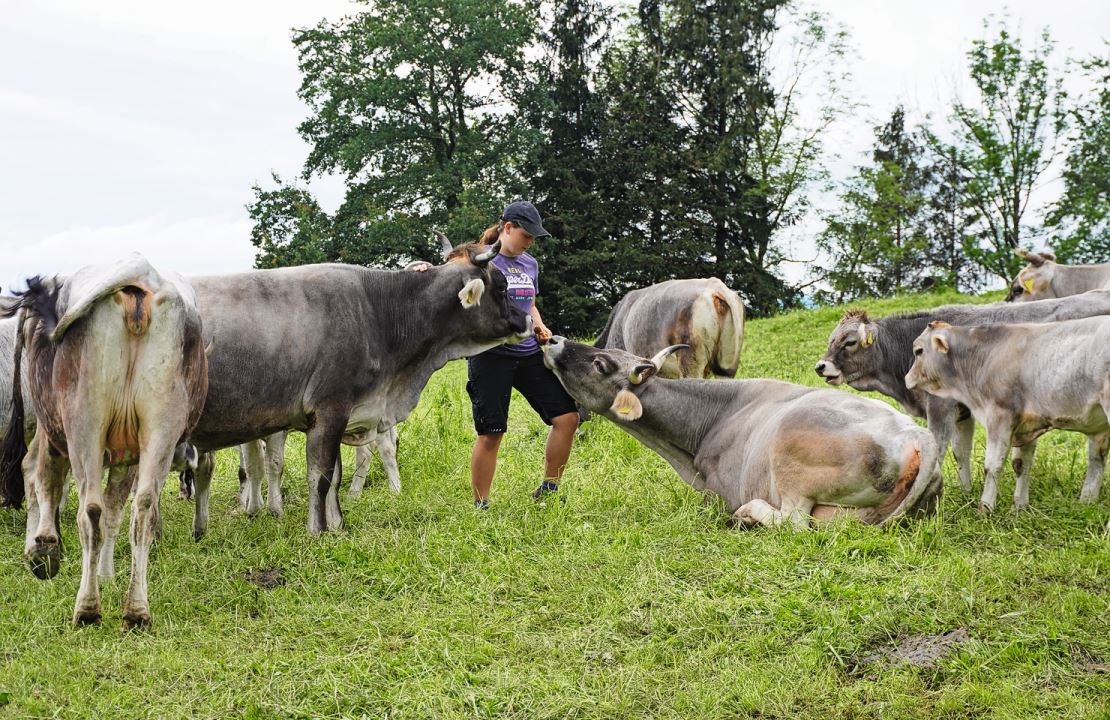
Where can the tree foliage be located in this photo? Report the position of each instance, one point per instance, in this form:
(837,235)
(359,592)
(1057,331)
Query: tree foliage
(1081,217)
(1006,140)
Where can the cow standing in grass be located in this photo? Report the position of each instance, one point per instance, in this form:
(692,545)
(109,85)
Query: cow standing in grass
(1044,278)
(774,451)
(1021,381)
(876,354)
(703,314)
(118,377)
(337,352)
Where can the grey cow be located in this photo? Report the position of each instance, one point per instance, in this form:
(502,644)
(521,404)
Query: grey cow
(701,313)
(118,377)
(876,354)
(1044,278)
(774,451)
(1021,381)
(338,352)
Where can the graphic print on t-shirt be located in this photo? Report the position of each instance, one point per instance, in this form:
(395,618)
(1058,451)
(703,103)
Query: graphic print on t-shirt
(521,288)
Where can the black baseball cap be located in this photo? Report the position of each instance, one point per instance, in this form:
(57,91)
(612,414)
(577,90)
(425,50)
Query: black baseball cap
(525,214)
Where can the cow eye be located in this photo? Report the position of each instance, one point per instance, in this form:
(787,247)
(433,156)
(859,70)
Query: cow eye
(850,343)
(919,351)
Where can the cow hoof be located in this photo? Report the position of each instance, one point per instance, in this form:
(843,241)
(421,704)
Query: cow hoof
(82,618)
(198,535)
(137,620)
(45,560)
(1018,508)
(277,512)
(985,509)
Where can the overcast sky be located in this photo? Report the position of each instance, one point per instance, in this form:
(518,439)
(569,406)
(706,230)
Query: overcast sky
(136,125)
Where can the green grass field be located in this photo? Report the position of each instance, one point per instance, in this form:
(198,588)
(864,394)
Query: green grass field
(633,599)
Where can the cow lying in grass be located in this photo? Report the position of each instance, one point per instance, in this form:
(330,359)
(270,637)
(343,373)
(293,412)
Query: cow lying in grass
(774,451)
(1021,381)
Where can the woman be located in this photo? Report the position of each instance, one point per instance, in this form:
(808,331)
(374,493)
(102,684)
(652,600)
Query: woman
(493,374)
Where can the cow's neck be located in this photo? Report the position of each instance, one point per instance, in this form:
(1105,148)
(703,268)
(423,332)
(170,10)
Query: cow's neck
(1075,279)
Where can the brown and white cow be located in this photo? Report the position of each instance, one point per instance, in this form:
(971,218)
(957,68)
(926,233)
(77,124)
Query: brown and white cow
(1044,278)
(1020,381)
(701,313)
(775,452)
(118,377)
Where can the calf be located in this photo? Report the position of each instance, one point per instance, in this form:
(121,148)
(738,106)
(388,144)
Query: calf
(118,376)
(1020,381)
(701,313)
(266,459)
(876,354)
(1044,278)
(774,451)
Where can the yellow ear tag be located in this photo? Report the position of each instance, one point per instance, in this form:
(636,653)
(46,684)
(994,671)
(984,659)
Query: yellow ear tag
(1028,286)
(624,409)
(870,339)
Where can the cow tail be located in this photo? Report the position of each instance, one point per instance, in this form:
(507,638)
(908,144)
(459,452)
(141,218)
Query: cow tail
(725,361)
(136,302)
(13,448)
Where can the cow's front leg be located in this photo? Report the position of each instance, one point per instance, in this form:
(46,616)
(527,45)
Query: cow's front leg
(206,463)
(1097,446)
(963,437)
(322,455)
(274,460)
(998,447)
(387,450)
(760,512)
(1021,460)
(120,481)
(48,469)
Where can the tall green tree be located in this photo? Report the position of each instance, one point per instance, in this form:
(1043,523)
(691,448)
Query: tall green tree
(951,224)
(878,238)
(1007,139)
(1081,217)
(411,102)
(562,170)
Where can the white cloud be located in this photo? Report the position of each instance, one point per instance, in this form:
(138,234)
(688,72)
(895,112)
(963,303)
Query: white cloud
(197,246)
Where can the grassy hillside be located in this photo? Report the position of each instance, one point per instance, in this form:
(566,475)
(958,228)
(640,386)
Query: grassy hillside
(633,599)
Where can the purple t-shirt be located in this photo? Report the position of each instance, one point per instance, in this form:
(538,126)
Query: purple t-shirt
(523,274)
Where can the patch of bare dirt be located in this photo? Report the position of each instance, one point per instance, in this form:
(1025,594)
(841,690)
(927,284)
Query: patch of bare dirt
(921,651)
(266,579)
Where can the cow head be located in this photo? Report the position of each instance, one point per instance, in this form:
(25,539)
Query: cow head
(479,303)
(1034,282)
(932,359)
(850,349)
(604,381)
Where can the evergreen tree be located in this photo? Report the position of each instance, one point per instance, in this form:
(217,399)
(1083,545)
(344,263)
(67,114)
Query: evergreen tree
(878,237)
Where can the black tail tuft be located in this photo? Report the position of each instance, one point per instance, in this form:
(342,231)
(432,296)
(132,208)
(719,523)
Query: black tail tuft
(13,448)
(41,299)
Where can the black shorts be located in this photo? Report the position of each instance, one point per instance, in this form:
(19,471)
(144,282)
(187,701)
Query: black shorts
(491,379)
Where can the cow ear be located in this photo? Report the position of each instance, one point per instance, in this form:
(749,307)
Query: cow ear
(471,294)
(940,342)
(1048,255)
(866,335)
(626,406)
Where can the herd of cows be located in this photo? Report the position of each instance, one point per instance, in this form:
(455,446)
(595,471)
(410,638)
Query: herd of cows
(136,372)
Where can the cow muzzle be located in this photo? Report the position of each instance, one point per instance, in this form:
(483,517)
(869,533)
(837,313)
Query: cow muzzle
(830,372)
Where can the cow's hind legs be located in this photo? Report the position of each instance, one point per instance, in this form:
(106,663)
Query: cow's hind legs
(274,462)
(154,463)
(88,470)
(363,455)
(1022,461)
(1097,446)
(120,482)
(760,512)
(250,496)
(48,469)
(963,437)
